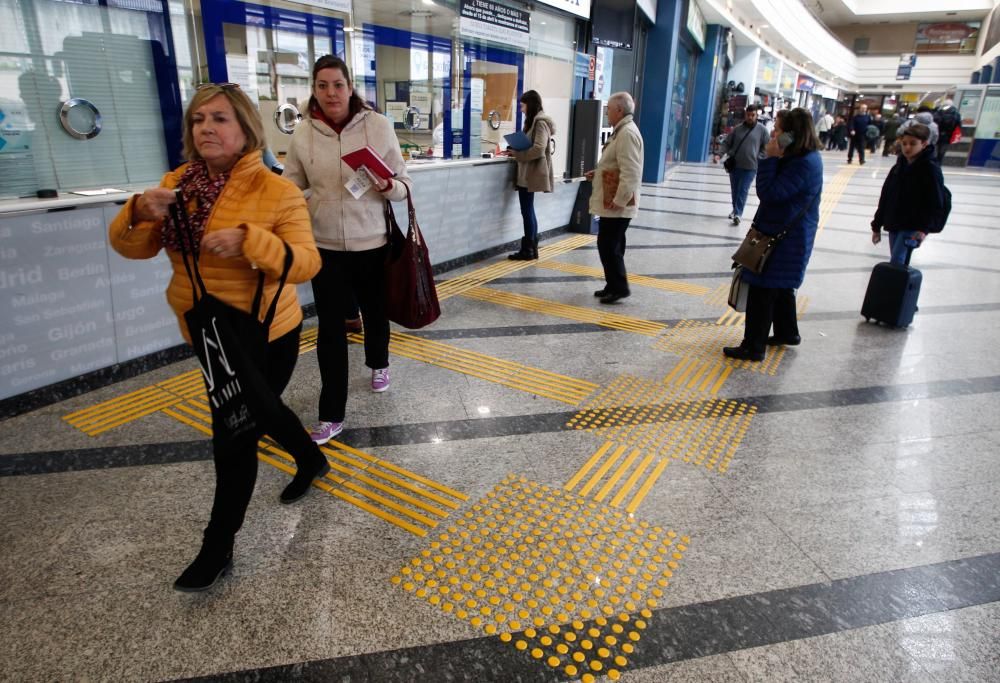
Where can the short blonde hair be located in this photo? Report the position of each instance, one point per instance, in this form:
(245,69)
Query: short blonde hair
(246,114)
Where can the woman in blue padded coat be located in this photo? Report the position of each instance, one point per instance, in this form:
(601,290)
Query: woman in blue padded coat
(789,184)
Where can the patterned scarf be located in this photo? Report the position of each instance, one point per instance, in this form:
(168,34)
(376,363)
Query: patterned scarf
(195,185)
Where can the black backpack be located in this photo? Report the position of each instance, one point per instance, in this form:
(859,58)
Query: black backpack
(948,120)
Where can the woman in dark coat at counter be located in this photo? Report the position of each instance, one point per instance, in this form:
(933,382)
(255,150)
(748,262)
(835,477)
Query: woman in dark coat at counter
(789,184)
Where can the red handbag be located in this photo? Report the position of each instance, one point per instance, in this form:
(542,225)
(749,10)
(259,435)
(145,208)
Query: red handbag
(411,298)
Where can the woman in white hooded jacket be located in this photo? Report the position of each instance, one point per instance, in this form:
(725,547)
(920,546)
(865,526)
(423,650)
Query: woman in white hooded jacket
(349,232)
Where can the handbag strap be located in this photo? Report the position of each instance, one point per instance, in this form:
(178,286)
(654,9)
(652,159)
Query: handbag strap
(788,226)
(178,211)
(742,140)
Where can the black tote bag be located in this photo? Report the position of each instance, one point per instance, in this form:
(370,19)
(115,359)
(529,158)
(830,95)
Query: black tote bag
(231,347)
(411,297)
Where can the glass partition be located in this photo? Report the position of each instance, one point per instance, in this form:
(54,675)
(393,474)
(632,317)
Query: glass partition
(107,70)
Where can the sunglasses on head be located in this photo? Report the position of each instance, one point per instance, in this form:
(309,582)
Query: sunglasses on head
(224,86)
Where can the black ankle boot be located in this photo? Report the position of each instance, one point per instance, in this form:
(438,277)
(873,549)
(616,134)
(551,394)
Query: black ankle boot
(743,353)
(303,479)
(524,253)
(211,564)
(533,250)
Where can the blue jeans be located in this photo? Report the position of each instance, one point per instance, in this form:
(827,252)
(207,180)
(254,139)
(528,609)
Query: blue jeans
(739,182)
(897,246)
(527,202)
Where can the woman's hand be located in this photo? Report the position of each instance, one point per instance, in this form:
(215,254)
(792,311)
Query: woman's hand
(225,243)
(773,149)
(380,184)
(153,205)
(876,237)
(589,175)
(920,237)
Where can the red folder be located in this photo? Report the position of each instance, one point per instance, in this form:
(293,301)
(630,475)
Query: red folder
(366,156)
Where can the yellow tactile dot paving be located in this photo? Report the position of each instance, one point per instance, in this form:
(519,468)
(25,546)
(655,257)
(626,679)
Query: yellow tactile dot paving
(557,540)
(704,341)
(650,421)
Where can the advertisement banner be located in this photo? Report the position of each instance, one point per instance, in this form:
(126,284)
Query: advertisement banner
(580,8)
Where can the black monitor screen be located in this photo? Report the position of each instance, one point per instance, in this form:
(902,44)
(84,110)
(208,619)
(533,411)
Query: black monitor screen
(614,22)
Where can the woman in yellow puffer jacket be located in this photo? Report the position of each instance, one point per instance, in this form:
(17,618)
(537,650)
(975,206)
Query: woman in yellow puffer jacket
(243,216)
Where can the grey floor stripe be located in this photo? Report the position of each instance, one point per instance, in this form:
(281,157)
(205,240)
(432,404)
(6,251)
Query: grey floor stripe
(686,632)
(462,430)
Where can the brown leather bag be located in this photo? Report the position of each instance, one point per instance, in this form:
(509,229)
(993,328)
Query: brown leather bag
(609,184)
(411,298)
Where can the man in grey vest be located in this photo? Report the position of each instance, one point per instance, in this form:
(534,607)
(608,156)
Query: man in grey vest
(744,147)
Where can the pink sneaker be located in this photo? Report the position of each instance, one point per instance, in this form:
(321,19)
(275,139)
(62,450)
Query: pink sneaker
(324,431)
(380,380)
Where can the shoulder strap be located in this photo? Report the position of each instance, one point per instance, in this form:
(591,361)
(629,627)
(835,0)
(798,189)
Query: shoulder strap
(742,140)
(798,216)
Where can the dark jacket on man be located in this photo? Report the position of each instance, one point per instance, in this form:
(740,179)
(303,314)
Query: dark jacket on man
(891,127)
(859,124)
(913,196)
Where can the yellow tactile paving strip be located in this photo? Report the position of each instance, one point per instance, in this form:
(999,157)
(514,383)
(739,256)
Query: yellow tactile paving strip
(481,276)
(392,493)
(675,419)
(633,279)
(697,339)
(562,578)
(554,308)
(649,469)
(832,194)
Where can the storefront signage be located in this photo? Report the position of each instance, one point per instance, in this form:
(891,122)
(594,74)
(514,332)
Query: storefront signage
(903,72)
(696,23)
(805,83)
(584,66)
(788,80)
(495,22)
(580,8)
(826,91)
(335,5)
(767,73)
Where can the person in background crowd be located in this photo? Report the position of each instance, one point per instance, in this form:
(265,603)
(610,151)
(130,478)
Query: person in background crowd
(615,198)
(350,233)
(890,131)
(858,130)
(789,184)
(948,120)
(925,117)
(912,202)
(879,124)
(243,217)
(745,144)
(534,170)
(823,126)
(838,134)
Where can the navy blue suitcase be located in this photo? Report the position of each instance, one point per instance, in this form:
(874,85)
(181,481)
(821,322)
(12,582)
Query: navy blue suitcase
(892,294)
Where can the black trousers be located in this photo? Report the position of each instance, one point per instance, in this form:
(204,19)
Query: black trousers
(767,306)
(346,274)
(857,143)
(611,248)
(236,464)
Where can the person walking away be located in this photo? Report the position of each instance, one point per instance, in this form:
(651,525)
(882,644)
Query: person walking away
(823,126)
(914,201)
(858,131)
(789,185)
(745,146)
(615,198)
(947,119)
(838,134)
(890,131)
(534,170)
(243,218)
(350,232)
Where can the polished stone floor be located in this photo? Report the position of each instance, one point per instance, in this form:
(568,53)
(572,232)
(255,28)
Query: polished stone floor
(557,490)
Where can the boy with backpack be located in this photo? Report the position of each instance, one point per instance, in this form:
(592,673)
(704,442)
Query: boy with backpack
(914,201)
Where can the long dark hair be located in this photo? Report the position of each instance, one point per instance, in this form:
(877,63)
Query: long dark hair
(357,104)
(533,102)
(799,123)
